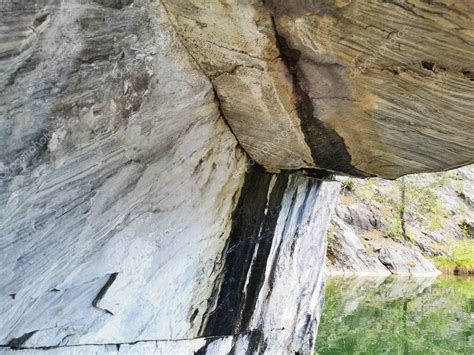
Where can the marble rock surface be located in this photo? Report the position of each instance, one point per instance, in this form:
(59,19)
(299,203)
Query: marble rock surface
(131,219)
(135,218)
(362,87)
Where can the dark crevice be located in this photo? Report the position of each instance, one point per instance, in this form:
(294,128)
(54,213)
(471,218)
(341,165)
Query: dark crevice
(103,291)
(193,316)
(17,343)
(468,74)
(319,174)
(428,66)
(40,20)
(202,70)
(250,240)
(386,263)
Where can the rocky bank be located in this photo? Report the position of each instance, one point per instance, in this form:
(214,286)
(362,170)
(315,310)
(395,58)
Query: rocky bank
(404,226)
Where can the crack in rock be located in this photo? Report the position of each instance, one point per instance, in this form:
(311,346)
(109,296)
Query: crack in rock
(103,291)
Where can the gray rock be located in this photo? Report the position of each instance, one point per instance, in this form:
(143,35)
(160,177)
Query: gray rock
(367,240)
(402,260)
(132,218)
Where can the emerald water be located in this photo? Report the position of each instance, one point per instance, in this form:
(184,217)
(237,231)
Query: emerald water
(398,315)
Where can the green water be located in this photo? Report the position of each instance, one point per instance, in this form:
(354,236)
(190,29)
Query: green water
(397,315)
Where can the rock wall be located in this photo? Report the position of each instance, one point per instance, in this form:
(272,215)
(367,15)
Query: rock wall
(131,219)
(345,86)
(368,235)
(134,216)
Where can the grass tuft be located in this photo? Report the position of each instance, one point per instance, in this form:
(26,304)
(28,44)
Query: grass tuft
(460,262)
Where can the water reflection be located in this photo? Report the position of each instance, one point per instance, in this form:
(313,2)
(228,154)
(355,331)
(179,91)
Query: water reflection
(397,315)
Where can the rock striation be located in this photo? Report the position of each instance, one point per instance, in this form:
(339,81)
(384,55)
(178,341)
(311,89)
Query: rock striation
(389,83)
(346,81)
(164,164)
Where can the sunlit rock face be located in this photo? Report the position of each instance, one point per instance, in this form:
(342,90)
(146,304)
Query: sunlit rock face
(393,79)
(363,87)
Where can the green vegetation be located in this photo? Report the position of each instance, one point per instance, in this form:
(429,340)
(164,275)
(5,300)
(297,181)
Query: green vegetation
(408,198)
(461,260)
(331,236)
(349,184)
(394,229)
(461,207)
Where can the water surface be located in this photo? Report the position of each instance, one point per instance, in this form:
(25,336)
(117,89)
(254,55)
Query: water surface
(397,315)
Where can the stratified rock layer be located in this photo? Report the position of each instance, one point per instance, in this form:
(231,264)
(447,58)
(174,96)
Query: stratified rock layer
(131,221)
(361,87)
(393,79)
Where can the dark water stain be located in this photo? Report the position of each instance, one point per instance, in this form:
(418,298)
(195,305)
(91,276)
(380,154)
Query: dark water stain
(250,240)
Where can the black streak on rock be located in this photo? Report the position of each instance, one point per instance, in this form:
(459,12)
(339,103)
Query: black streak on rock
(114,4)
(194,315)
(246,255)
(16,343)
(103,291)
(327,147)
(202,350)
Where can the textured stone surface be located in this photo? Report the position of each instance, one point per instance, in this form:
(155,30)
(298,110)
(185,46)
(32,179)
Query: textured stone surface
(235,45)
(130,219)
(350,82)
(351,253)
(365,234)
(128,223)
(393,79)
(129,202)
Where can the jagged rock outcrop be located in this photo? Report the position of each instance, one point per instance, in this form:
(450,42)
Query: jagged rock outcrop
(134,217)
(369,235)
